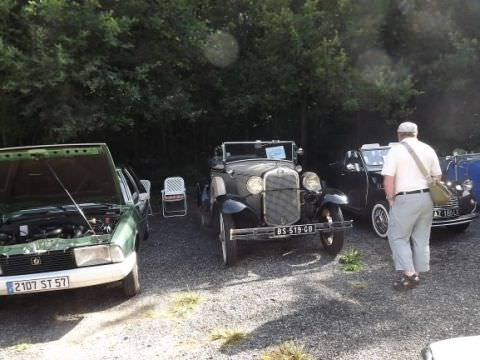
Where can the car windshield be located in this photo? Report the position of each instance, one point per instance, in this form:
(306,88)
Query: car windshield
(236,151)
(374,157)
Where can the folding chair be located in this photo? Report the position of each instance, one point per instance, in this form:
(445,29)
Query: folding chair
(174,197)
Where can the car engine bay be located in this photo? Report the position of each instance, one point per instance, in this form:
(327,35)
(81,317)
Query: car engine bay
(69,225)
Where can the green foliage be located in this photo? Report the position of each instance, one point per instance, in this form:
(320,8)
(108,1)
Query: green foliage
(174,77)
(351,260)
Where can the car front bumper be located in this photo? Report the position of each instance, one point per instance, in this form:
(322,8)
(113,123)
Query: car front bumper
(79,277)
(463,219)
(267,233)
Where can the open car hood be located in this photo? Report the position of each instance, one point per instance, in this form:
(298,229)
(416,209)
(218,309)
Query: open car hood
(28,176)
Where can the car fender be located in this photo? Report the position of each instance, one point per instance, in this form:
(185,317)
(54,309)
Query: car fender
(217,188)
(332,196)
(230,206)
(243,215)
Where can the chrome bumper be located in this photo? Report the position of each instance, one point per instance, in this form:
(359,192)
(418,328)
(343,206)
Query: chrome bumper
(454,221)
(80,277)
(266,233)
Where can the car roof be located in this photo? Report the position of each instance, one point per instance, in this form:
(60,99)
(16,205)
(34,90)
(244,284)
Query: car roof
(53,146)
(257,141)
(375,146)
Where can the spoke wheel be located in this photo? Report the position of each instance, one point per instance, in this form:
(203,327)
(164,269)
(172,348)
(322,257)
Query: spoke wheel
(332,241)
(380,218)
(229,247)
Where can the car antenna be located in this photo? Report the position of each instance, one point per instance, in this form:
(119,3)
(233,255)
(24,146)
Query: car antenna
(70,196)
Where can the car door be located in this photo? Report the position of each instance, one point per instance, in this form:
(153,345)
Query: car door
(139,203)
(353,180)
(144,193)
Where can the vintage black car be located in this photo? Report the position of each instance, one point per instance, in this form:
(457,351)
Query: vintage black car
(358,176)
(258,191)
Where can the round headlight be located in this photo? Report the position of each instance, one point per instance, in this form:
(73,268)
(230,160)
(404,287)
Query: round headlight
(311,182)
(467,185)
(255,185)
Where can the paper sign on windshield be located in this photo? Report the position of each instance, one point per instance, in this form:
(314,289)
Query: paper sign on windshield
(276,153)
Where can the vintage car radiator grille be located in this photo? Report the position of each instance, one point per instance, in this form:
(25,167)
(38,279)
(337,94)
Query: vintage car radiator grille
(452,204)
(281,202)
(24,264)
(449,210)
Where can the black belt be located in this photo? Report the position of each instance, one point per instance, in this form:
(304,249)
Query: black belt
(412,192)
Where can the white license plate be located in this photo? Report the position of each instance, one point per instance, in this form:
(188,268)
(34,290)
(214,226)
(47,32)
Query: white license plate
(295,230)
(26,286)
(442,213)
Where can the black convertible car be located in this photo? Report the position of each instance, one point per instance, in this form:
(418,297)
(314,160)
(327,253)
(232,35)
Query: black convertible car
(257,191)
(358,176)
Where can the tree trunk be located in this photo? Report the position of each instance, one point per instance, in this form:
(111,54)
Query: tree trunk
(136,138)
(164,141)
(4,137)
(246,127)
(304,130)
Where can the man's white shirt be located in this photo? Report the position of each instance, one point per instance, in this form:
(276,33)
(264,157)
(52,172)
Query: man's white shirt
(400,164)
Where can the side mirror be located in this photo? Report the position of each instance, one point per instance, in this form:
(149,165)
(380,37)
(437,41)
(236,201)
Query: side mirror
(216,162)
(352,167)
(300,151)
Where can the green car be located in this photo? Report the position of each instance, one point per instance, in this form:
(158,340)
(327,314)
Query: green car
(69,219)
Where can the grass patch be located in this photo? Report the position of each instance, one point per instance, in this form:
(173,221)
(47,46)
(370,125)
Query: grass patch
(289,350)
(351,260)
(359,286)
(184,303)
(22,346)
(153,314)
(227,336)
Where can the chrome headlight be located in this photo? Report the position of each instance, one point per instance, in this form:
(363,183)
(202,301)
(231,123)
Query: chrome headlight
(97,255)
(311,181)
(467,185)
(255,185)
(116,253)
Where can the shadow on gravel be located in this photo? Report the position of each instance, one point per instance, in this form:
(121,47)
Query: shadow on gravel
(184,255)
(336,318)
(46,317)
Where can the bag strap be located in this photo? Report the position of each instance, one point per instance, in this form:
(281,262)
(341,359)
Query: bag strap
(419,163)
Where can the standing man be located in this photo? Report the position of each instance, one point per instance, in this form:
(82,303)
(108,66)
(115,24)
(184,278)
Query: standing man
(411,207)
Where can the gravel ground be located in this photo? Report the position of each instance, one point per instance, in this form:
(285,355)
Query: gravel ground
(278,291)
